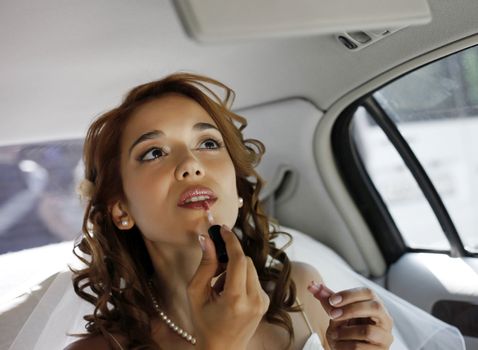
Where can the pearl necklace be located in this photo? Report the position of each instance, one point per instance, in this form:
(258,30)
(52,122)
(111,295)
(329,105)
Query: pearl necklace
(185,335)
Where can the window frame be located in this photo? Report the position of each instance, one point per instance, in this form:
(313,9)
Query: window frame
(366,196)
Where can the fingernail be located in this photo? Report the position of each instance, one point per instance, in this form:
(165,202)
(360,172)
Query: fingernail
(226,227)
(336,313)
(202,242)
(323,292)
(210,218)
(313,287)
(335,299)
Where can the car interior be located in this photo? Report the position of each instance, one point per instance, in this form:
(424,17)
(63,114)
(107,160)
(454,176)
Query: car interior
(369,115)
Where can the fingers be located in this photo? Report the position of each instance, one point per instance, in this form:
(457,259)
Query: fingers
(322,293)
(218,282)
(359,303)
(353,345)
(207,269)
(256,294)
(352,304)
(352,295)
(239,285)
(364,333)
(252,283)
(361,309)
(359,320)
(241,275)
(230,316)
(236,274)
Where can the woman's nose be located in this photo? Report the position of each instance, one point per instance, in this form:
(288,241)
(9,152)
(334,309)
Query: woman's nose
(189,168)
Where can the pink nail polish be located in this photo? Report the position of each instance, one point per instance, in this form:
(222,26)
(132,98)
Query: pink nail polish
(313,288)
(323,292)
(335,299)
(202,242)
(336,313)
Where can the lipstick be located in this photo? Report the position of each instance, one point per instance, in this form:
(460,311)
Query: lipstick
(214,232)
(221,252)
(210,218)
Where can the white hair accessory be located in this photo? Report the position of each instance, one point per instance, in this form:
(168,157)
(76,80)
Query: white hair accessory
(85,189)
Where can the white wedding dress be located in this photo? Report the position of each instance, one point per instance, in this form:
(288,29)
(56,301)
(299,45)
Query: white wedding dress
(60,311)
(313,343)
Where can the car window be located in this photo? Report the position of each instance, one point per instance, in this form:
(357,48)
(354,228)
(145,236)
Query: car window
(399,190)
(38,204)
(435,108)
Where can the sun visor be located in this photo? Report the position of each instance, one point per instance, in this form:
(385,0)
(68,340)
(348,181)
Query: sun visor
(224,21)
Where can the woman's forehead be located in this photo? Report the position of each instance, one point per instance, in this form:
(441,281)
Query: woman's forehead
(172,112)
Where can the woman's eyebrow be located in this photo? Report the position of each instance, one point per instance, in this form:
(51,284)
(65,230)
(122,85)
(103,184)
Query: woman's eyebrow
(204,126)
(154,134)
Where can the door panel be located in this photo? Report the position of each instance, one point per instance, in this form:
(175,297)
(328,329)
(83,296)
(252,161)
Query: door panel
(443,286)
(413,144)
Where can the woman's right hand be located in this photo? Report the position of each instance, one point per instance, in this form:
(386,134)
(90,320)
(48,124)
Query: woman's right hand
(228,319)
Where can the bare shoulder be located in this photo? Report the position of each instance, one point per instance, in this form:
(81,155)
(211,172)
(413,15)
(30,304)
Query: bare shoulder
(96,342)
(303,274)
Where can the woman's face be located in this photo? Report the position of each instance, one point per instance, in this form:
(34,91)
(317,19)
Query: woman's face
(173,158)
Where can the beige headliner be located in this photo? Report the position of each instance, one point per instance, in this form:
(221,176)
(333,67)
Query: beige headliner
(64,62)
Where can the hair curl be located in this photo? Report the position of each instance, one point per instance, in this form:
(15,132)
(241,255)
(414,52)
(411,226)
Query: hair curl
(118,265)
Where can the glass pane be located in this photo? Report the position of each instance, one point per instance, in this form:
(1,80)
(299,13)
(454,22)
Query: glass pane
(436,110)
(405,201)
(38,204)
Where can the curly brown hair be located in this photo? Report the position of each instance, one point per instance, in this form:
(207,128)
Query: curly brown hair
(118,266)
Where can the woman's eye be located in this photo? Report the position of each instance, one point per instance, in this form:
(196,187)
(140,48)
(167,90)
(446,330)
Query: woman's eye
(210,144)
(153,153)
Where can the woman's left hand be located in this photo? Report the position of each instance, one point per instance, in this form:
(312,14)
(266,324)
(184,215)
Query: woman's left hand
(359,319)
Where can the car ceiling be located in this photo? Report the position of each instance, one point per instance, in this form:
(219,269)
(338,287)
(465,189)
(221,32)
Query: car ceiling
(65,62)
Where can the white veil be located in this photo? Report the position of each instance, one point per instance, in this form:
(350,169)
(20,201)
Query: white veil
(60,311)
(414,329)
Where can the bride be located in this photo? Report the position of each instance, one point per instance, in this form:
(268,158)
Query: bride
(160,169)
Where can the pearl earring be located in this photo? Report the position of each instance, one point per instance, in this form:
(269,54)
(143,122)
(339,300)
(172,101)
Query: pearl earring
(124,222)
(241,202)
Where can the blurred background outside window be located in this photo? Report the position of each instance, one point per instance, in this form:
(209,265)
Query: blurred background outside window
(38,201)
(436,110)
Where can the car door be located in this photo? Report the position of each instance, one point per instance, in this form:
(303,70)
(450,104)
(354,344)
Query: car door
(407,153)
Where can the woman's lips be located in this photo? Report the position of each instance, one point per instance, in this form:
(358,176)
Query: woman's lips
(198,204)
(195,196)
